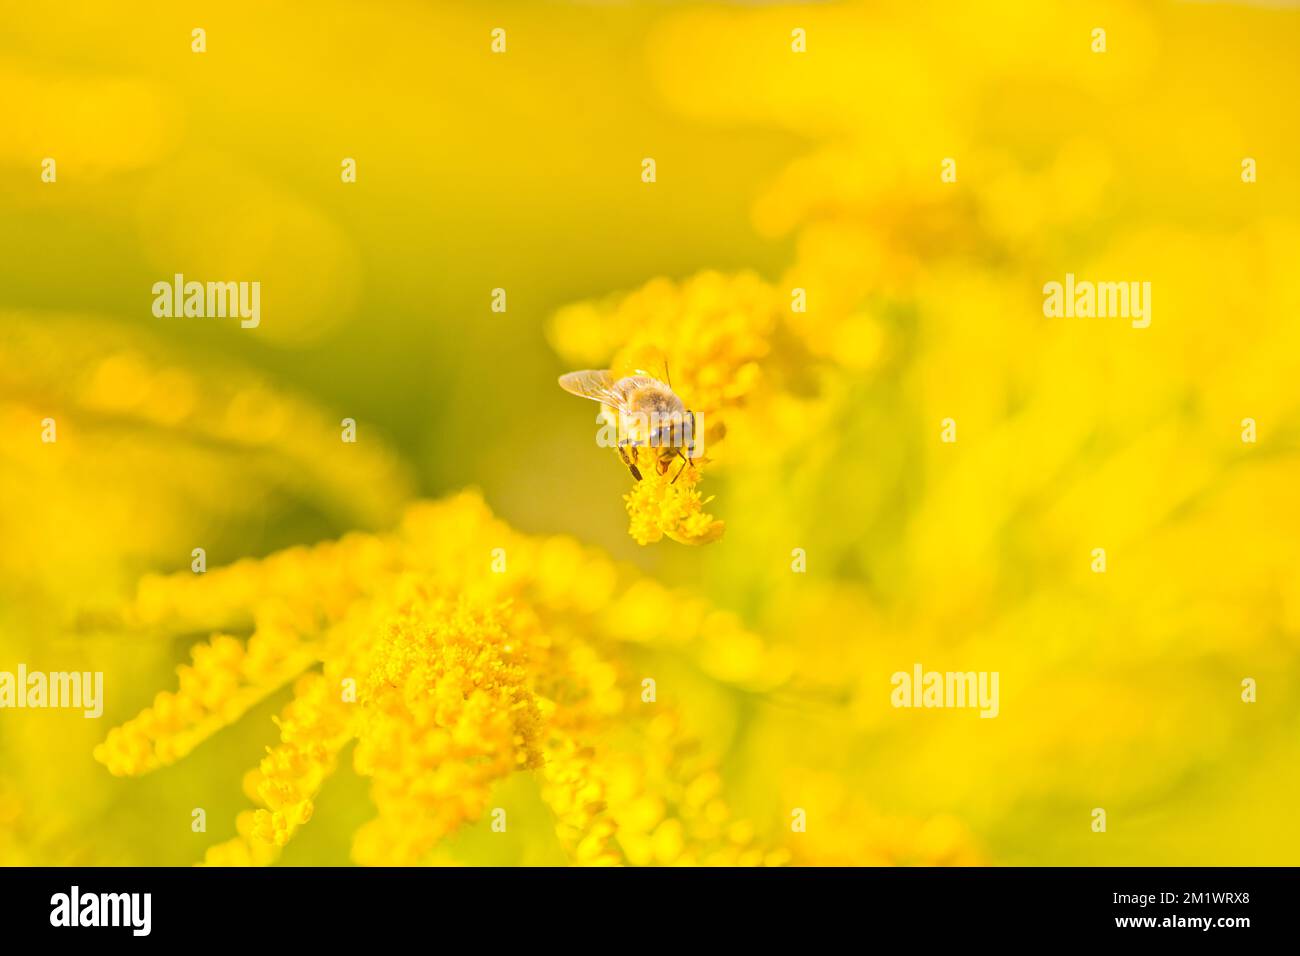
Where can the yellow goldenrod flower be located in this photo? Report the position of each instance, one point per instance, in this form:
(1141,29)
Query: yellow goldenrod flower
(710,332)
(123,454)
(710,336)
(225,679)
(450,674)
(664,504)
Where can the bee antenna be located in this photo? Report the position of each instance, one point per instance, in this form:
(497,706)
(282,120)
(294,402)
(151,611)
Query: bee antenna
(668,375)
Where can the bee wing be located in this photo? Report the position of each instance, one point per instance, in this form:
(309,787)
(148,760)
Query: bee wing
(596,384)
(652,376)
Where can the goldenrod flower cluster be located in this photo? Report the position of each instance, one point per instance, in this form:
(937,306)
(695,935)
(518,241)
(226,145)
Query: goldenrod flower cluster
(455,652)
(712,336)
(122,453)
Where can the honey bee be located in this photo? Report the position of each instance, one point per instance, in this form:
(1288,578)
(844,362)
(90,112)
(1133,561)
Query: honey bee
(645,412)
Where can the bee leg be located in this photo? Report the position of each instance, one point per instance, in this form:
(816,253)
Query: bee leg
(627,460)
(685,461)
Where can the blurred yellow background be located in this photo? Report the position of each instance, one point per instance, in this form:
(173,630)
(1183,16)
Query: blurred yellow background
(776,170)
